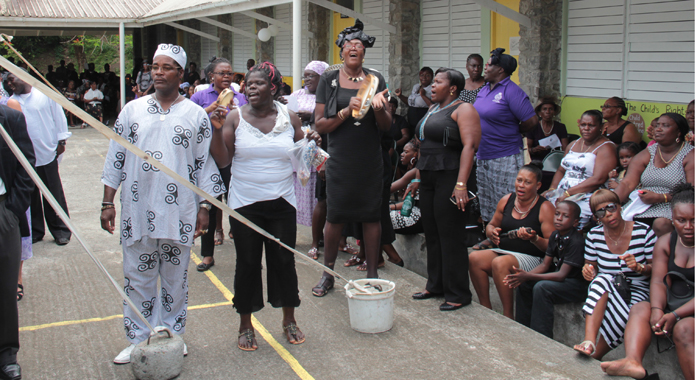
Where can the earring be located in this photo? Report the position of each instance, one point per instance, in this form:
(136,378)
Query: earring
(342,60)
(452,93)
(678,139)
(363,60)
(413,160)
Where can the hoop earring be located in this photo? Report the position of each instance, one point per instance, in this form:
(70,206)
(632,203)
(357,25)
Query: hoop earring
(413,160)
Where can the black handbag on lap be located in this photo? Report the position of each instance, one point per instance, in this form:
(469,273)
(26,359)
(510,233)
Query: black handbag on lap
(623,287)
(675,300)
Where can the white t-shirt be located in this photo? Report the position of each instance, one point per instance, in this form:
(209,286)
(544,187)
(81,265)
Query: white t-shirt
(94,94)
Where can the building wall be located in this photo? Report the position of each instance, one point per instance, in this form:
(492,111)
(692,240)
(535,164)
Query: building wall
(377,57)
(283,41)
(450,31)
(243,47)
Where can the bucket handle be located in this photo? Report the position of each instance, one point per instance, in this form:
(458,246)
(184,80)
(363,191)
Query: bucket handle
(167,330)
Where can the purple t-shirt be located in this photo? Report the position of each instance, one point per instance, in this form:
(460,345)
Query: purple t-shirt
(206,97)
(501,110)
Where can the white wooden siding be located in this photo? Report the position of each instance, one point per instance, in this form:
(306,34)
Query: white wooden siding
(209,47)
(377,57)
(283,41)
(242,46)
(637,49)
(451,31)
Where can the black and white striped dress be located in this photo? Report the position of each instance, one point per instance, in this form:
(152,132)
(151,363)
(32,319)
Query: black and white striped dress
(617,311)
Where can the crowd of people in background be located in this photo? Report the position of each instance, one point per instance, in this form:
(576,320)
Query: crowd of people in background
(599,217)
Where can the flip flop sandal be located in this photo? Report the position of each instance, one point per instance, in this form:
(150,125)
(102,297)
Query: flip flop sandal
(293,329)
(349,249)
(323,286)
(363,267)
(354,260)
(250,338)
(219,237)
(486,244)
(20,291)
(586,344)
(313,253)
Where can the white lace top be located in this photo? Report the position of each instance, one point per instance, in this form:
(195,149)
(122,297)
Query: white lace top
(261,169)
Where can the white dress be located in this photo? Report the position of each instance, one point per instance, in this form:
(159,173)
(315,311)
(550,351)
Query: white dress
(579,167)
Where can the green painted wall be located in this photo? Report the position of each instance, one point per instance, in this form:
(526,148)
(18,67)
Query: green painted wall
(573,107)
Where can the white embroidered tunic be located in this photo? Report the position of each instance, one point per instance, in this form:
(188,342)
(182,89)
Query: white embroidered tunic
(154,204)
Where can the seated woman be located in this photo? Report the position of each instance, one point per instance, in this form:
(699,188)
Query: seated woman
(93,101)
(657,169)
(586,165)
(515,212)
(546,110)
(673,252)
(616,251)
(557,280)
(617,129)
(625,152)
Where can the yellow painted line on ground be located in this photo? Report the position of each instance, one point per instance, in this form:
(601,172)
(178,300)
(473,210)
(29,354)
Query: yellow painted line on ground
(281,351)
(100,319)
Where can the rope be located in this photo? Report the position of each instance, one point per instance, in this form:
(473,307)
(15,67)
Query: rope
(109,133)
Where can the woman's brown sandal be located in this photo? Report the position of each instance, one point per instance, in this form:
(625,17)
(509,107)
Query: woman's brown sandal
(349,249)
(250,338)
(354,260)
(292,330)
(363,267)
(219,237)
(323,286)
(313,253)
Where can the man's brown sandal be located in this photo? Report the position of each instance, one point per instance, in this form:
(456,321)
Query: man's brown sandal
(291,330)
(323,286)
(250,338)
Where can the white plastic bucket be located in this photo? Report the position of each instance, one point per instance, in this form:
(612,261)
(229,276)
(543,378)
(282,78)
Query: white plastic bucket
(374,312)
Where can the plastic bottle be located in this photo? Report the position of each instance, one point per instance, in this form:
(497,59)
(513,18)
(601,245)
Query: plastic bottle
(407,207)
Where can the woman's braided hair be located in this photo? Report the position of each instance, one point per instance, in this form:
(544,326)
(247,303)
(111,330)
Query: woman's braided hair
(272,74)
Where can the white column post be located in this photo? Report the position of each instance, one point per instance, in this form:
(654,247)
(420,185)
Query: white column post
(122,65)
(296,44)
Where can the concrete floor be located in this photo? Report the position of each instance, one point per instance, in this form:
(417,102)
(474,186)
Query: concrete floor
(71,326)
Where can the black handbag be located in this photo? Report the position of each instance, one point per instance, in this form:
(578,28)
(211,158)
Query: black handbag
(675,300)
(623,287)
(451,138)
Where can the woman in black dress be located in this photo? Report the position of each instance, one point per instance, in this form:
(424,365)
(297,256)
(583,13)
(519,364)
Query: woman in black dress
(446,170)
(355,167)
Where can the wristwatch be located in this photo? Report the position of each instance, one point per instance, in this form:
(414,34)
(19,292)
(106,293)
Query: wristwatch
(205,205)
(62,142)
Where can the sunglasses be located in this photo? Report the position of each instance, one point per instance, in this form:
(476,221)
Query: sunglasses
(600,213)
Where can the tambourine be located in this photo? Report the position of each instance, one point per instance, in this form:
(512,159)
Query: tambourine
(366,94)
(225,97)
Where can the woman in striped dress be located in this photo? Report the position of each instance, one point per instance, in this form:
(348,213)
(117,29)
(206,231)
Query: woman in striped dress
(617,246)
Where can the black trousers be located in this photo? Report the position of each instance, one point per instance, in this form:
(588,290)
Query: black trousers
(10,257)
(535,300)
(208,238)
(41,207)
(279,218)
(446,238)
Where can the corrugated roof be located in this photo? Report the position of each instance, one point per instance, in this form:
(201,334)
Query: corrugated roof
(77,9)
(170,6)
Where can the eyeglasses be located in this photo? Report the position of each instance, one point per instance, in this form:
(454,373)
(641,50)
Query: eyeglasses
(224,73)
(605,106)
(310,77)
(356,46)
(600,213)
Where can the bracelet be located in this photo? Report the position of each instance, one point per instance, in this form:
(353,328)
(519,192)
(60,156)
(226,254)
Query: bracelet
(378,108)
(665,198)
(567,193)
(105,207)
(643,267)
(534,241)
(107,203)
(460,188)
(205,205)
(340,115)
(461,184)
(676,315)
(415,180)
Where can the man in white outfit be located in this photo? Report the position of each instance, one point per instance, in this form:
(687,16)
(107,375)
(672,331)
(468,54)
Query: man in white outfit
(160,218)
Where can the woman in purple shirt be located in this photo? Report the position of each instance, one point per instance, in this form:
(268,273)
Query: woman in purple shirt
(221,75)
(505,112)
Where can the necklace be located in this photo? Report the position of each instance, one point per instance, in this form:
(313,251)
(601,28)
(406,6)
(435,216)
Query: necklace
(353,79)
(515,206)
(550,128)
(687,246)
(162,116)
(658,150)
(592,144)
(618,238)
(421,131)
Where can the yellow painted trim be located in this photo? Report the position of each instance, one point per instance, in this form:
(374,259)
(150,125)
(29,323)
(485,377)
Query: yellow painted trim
(100,319)
(281,351)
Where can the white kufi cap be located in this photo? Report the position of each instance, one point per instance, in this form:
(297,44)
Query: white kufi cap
(173,51)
